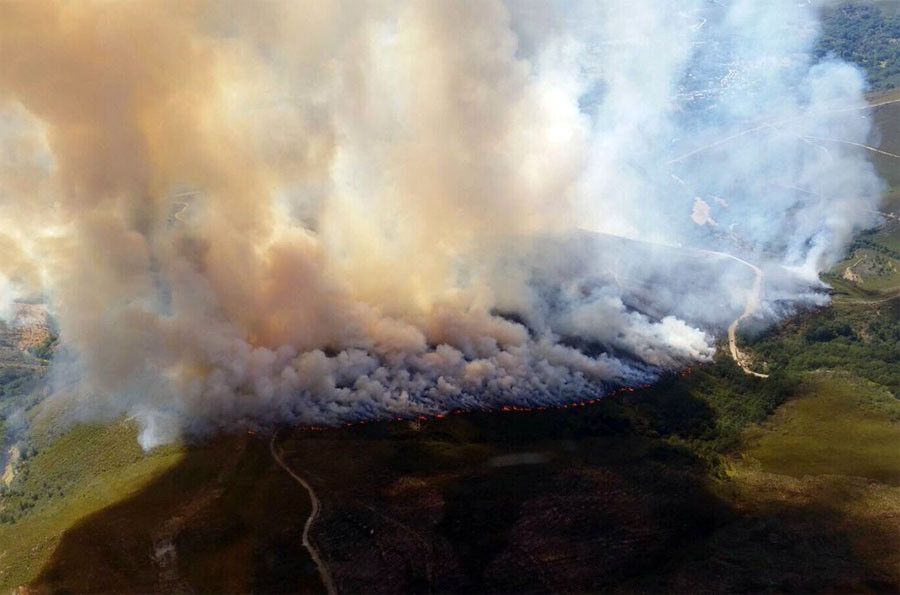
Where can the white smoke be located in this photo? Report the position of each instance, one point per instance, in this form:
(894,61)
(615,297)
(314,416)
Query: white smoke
(7,299)
(338,211)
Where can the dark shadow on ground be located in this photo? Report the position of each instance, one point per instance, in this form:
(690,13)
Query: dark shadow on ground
(598,499)
(610,498)
(225,519)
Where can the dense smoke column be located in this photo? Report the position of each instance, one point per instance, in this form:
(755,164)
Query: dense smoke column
(244,215)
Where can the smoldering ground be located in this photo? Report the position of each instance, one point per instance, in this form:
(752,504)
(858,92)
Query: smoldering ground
(243,214)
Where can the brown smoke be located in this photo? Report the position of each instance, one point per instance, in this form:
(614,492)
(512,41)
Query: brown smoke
(306,210)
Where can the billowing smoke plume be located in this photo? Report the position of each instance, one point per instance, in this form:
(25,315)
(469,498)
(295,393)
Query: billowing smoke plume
(328,211)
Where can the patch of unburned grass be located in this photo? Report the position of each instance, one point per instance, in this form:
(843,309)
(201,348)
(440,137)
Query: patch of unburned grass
(838,425)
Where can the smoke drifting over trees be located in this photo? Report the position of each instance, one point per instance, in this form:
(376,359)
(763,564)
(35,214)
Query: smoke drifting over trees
(250,213)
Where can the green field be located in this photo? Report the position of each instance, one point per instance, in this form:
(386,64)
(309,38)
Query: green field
(835,425)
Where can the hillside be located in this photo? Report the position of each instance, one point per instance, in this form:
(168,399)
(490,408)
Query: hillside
(711,480)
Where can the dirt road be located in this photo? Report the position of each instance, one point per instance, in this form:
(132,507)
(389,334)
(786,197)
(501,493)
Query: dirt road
(776,123)
(324,573)
(847,142)
(750,307)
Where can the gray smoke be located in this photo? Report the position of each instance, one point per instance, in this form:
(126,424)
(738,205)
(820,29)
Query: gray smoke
(247,214)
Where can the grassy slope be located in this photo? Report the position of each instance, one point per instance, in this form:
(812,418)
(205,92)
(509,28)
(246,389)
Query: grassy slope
(398,495)
(837,425)
(821,477)
(85,470)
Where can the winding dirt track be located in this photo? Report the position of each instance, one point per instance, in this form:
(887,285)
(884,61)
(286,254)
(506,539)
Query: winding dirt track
(750,307)
(851,143)
(324,573)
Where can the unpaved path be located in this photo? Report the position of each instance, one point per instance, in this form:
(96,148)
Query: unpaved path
(847,142)
(324,573)
(9,473)
(750,307)
(892,294)
(776,123)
